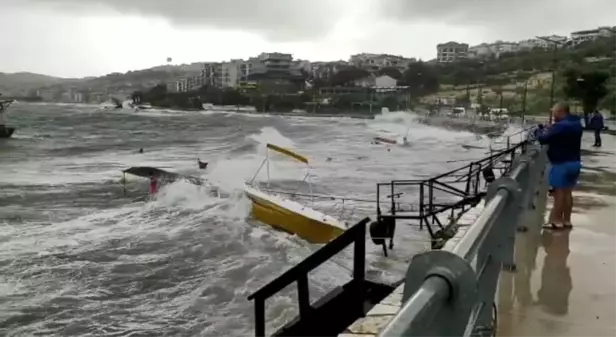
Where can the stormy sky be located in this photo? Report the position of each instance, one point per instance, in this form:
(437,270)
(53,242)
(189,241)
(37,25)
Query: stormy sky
(74,38)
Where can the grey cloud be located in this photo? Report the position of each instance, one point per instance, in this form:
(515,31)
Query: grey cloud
(506,18)
(278,20)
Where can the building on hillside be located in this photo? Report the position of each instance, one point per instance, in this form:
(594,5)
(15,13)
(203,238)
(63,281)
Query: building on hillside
(47,95)
(377,82)
(592,34)
(494,49)
(451,51)
(231,73)
(543,43)
(274,62)
(302,65)
(212,74)
(326,69)
(172,86)
(190,83)
(375,62)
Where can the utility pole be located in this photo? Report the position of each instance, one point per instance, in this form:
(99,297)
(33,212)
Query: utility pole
(524,97)
(554,65)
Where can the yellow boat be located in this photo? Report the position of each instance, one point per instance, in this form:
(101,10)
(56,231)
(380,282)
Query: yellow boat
(274,209)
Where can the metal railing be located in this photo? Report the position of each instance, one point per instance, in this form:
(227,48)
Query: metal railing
(451,293)
(459,190)
(355,235)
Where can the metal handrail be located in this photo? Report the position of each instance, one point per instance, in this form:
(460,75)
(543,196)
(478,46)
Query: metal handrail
(458,286)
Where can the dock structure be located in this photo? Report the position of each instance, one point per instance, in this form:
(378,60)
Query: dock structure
(501,273)
(559,282)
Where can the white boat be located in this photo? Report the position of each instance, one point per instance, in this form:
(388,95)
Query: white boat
(143,106)
(5,131)
(276,209)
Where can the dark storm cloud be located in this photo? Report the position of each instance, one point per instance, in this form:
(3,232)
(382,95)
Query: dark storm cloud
(506,17)
(274,19)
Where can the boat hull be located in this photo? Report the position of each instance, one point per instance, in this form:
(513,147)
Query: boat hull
(291,221)
(6,132)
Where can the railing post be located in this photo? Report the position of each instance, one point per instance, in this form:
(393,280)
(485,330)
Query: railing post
(421,205)
(303,296)
(359,267)
(496,252)
(440,292)
(259,317)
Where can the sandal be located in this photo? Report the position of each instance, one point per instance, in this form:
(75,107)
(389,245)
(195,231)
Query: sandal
(551,225)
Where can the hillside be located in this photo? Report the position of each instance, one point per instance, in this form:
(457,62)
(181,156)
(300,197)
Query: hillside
(504,80)
(22,84)
(18,83)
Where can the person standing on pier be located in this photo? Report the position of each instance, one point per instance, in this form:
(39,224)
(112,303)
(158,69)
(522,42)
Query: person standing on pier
(564,141)
(596,124)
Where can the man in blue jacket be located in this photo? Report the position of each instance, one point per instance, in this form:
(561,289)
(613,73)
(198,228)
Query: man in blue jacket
(596,124)
(564,141)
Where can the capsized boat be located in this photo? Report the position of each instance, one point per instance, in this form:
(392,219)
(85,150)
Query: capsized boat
(5,131)
(162,176)
(274,208)
(380,140)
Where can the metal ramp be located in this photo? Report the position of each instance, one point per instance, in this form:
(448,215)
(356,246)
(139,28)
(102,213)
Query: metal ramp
(332,313)
(437,202)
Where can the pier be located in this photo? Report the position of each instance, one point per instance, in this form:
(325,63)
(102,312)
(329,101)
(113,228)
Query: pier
(499,273)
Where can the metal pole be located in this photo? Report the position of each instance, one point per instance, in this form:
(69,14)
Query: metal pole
(554,61)
(553,82)
(524,98)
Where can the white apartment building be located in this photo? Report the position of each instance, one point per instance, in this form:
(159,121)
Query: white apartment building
(231,73)
(589,35)
(326,69)
(276,62)
(492,49)
(377,82)
(190,83)
(375,62)
(543,43)
(451,51)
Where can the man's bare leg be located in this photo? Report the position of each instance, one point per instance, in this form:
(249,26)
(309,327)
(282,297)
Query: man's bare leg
(556,214)
(567,207)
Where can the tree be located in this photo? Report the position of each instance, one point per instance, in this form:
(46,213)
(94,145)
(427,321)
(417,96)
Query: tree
(346,75)
(589,88)
(421,78)
(391,72)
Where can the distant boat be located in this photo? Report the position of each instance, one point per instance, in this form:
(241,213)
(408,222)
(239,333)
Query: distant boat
(112,104)
(144,106)
(5,131)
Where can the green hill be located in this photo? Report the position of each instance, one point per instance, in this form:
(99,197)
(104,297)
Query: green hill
(503,80)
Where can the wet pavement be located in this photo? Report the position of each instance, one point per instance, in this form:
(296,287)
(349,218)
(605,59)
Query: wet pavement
(565,282)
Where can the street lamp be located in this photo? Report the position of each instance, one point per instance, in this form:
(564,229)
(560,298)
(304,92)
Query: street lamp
(554,60)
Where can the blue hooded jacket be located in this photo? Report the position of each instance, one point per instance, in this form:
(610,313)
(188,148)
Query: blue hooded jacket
(564,140)
(596,122)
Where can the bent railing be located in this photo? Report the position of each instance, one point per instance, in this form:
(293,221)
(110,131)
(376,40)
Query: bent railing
(355,235)
(461,188)
(451,292)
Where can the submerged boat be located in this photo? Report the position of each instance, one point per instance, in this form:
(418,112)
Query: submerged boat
(276,209)
(143,106)
(5,131)
(162,177)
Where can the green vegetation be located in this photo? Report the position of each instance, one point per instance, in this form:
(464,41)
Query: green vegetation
(158,96)
(586,87)
(522,81)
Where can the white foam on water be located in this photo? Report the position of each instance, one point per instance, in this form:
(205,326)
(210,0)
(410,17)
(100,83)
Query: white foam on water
(198,250)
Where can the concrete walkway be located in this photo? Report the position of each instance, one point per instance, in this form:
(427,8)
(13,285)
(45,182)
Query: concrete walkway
(565,283)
